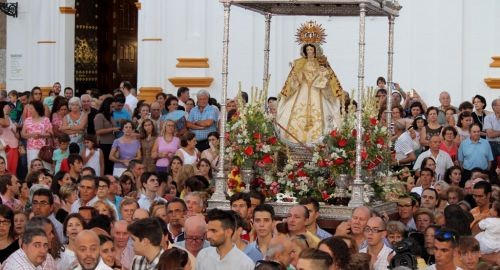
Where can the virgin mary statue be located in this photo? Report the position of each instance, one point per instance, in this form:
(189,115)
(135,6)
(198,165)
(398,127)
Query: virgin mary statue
(310,101)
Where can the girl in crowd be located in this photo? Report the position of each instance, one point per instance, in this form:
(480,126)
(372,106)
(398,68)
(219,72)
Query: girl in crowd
(93,157)
(75,122)
(127,184)
(464,122)
(72,226)
(8,240)
(205,169)
(450,117)
(165,147)
(189,105)
(175,170)
(36,165)
(188,152)
(24,195)
(59,111)
(124,149)
(453,175)
(449,144)
(338,250)
(148,138)
(432,128)
(141,113)
(105,131)
(479,113)
(60,179)
(36,129)
(212,153)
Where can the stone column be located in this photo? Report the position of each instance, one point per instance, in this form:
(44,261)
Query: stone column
(150,44)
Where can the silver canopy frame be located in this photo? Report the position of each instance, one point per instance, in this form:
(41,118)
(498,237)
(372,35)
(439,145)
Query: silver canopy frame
(361,8)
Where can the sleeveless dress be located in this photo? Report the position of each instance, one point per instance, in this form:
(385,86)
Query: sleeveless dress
(189,159)
(75,138)
(94,161)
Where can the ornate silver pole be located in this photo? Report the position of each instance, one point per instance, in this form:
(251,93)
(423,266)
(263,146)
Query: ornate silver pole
(266,50)
(358,186)
(390,56)
(220,179)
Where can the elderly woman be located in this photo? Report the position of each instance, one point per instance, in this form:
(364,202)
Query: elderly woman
(75,122)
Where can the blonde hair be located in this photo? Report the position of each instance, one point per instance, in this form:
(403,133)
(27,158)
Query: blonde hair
(111,210)
(186,172)
(66,191)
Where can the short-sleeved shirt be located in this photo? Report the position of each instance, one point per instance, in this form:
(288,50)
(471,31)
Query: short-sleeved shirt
(492,122)
(475,154)
(126,151)
(58,157)
(209,259)
(403,146)
(118,117)
(43,126)
(208,113)
(443,162)
(100,122)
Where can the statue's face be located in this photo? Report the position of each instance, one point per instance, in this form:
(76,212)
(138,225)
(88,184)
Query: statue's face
(311,52)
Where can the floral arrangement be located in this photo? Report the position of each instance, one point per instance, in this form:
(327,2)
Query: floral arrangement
(388,188)
(251,137)
(338,149)
(234,182)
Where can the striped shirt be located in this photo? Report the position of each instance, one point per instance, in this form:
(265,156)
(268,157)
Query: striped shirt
(19,261)
(141,263)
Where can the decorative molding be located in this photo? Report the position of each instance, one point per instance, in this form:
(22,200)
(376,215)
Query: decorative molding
(46,42)
(45,90)
(496,62)
(151,39)
(493,83)
(186,62)
(138,5)
(191,81)
(67,10)
(149,93)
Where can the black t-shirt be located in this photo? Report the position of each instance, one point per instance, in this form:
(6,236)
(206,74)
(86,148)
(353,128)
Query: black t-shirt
(90,122)
(6,252)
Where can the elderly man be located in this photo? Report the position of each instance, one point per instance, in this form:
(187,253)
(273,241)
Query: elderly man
(355,226)
(195,229)
(87,191)
(445,100)
(88,252)
(176,213)
(492,128)
(296,220)
(403,145)
(91,112)
(443,159)
(195,203)
(202,120)
(280,248)
(474,152)
(124,253)
(375,234)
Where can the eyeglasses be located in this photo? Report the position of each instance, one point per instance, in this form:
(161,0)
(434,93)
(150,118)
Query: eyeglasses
(195,239)
(372,230)
(42,203)
(5,222)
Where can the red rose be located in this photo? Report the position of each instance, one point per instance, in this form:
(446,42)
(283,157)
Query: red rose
(364,154)
(249,150)
(380,141)
(291,176)
(257,136)
(272,140)
(267,159)
(373,121)
(367,137)
(342,142)
(354,132)
(322,163)
(325,195)
(333,133)
(371,165)
(301,173)
(300,164)
(339,161)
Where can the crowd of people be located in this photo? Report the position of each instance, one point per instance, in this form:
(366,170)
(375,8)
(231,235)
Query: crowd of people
(105,181)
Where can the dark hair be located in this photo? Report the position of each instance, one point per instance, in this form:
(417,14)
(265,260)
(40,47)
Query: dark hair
(5,180)
(449,128)
(161,94)
(177,200)
(74,148)
(174,258)
(484,185)
(7,213)
(125,123)
(64,138)
(417,104)
(468,243)
(466,105)
(272,98)
(482,99)
(55,247)
(381,79)
(90,178)
(456,218)
(148,228)
(120,98)
(496,206)
(169,100)
(447,235)
(38,106)
(225,217)
(427,170)
(400,109)
(304,49)
(91,138)
(257,195)
(196,183)
(214,134)
(30,233)
(310,200)
(127,85)
(133,163)
(145,176)
(269,265)
(447,173)
(461,117)
(186,138)
(104,238)
(432,108)
(44,192)
(101,222)
(154,133)
(59,102)
(244,96)
(240,196)
(70,216)
(182,90)
(105,108)
(264,208)
(340,250)
(32,178)
(474,125)
(74,157)
(424,162)
(210,173)
(104,179)
(322,260)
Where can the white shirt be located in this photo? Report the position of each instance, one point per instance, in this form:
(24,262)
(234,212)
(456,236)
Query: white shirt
(19,261)
(145,202)
(209,259)
(433,267)
(131,102)
(78,203)
(382,261)
(443,162)
(403,146)
(100,266)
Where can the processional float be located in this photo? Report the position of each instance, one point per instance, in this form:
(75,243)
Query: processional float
(268,8)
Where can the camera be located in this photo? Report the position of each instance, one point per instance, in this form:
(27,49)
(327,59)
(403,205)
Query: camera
(404,256)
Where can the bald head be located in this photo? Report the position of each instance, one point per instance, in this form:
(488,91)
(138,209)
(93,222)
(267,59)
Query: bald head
(195,224)
(87,249)
(120,233)
(140,213)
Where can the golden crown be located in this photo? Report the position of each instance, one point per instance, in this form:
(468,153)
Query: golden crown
(310,32)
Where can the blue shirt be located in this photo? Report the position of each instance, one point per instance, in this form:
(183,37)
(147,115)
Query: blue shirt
(208,112)
(58,157)
(252,250)
(475,154)
(117,118)
(322,234)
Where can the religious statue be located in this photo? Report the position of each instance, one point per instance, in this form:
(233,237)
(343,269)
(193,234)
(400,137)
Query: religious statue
(310,102)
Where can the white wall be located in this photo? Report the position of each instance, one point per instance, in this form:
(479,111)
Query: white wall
(439,45)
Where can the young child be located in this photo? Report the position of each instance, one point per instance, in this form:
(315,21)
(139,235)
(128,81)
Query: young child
(92,156)
(489,237)
(60,153)
(73,149)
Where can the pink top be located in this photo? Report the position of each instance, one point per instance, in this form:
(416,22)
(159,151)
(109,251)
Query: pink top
(44,126)
(164,147)
(8,136)
(57,120)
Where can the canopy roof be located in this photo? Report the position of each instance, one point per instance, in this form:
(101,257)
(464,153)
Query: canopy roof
(319,7)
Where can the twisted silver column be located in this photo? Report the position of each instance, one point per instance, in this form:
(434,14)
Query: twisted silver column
(266,50)
(390,56)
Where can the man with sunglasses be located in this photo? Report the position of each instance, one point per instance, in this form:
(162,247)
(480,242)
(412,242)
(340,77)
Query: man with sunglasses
(445,250)
(375,234)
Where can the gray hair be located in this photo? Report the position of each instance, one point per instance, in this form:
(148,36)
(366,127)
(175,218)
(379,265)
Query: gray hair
(496,101)
(273,250)
(196,194)
(75,100)
(30,233)
(85,95)
(203,92)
